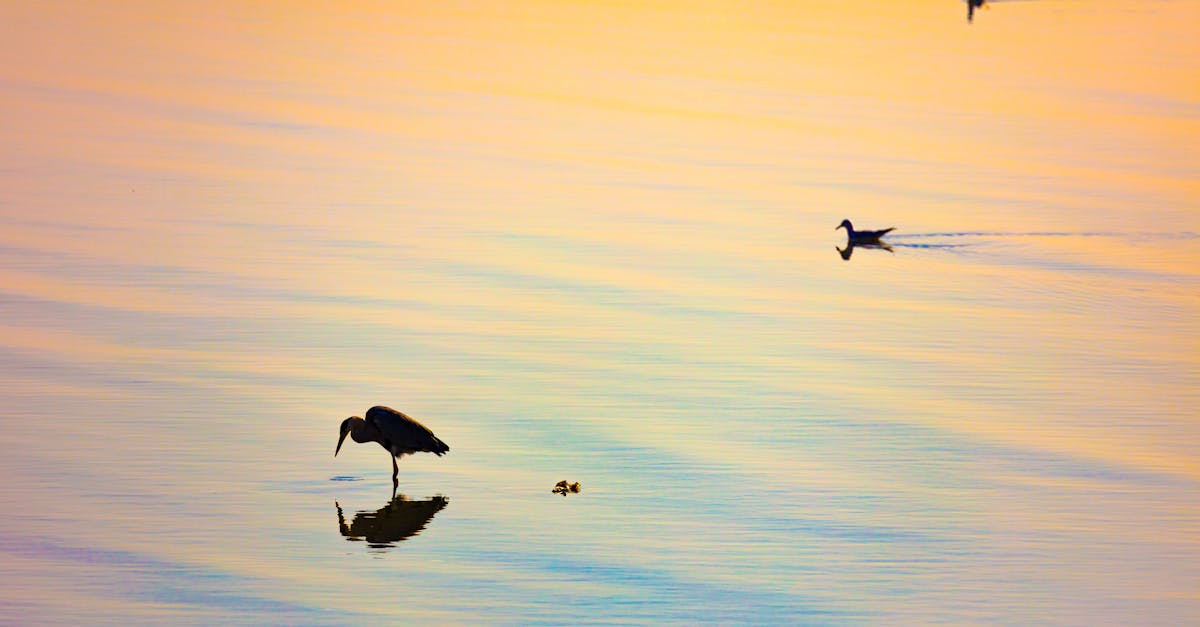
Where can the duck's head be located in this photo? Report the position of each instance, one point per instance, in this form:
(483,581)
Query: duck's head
(846,225)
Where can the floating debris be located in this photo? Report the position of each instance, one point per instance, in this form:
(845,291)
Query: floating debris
(562,487)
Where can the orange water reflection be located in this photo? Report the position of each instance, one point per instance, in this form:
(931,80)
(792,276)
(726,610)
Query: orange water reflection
(594,240)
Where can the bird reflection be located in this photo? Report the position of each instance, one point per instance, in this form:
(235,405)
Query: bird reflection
(392,523)
(850,246)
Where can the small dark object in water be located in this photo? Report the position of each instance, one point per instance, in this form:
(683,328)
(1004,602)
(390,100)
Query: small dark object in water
(562,487)
(971,6)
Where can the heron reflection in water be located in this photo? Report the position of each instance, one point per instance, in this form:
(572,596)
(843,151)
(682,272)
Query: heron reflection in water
(395,522)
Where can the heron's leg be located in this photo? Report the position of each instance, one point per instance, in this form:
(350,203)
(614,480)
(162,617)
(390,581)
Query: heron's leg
(395,471)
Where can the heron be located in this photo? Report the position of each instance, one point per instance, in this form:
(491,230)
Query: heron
(395,431)
(858,238)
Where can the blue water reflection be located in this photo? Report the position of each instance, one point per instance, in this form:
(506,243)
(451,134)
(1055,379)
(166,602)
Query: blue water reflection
(593,243)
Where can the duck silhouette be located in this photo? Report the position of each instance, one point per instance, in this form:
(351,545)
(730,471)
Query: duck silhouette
(861,238)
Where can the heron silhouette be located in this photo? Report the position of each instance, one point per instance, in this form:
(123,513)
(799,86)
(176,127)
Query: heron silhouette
(396,432)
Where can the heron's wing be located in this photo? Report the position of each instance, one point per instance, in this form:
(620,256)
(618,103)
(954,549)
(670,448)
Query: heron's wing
(403,432)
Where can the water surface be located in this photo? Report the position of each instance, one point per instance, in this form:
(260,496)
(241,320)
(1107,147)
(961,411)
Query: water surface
(594,242)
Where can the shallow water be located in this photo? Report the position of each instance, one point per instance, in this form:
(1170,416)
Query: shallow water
(595,242)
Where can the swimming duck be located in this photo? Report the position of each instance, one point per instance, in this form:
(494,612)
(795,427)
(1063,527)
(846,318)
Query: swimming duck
(861,237)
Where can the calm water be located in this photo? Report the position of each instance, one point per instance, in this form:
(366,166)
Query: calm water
(594,242)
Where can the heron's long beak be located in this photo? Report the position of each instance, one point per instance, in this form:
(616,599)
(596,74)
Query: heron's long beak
(340,440)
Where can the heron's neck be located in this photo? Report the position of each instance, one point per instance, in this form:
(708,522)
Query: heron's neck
(362,431)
